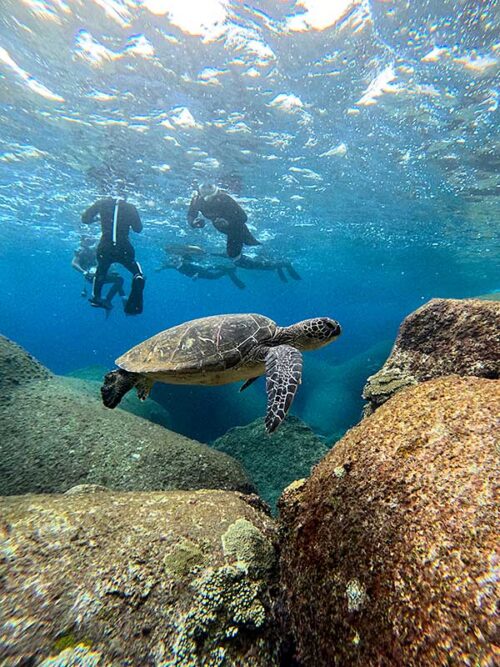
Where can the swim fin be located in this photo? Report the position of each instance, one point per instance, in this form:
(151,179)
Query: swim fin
(249,238)
(282,275)
(134,303)
(234,279)
(292,272)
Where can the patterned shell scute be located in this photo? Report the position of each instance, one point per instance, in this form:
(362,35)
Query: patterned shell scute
(210,343)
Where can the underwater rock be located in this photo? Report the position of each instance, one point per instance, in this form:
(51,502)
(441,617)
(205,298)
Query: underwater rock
(112,579)
(388,550)
(330,399)
(150,409)
(274,461)
(86,488)
(443,337)
(17,366)
(53,437)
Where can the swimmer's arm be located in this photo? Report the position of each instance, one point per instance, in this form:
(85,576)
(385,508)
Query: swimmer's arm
(135,221)
(194,209)
(75,263)
(90,214)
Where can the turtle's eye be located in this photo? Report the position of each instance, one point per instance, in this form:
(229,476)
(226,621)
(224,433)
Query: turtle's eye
(333,327)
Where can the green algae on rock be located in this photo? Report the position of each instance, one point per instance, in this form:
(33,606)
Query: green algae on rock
(295,449)
(92,580)
(244,542)
(443,337)
(18,367)
(151,411)
(54,436)
(393,562)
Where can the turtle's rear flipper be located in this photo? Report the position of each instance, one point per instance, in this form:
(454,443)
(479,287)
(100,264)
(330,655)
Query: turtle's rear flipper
(283,376)
(143,387)
(116,385)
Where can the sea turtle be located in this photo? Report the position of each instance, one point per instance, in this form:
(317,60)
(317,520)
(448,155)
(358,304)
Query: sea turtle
(221,349)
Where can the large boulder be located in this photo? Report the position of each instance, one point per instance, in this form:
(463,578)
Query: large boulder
(114,579)
(329,399)
(443,337)
(53,435)
(90,379)
(216,408)
(273,462)
(388,552)
(17,367)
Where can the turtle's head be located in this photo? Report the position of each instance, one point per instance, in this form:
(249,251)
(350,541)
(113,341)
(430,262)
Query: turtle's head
(313,334)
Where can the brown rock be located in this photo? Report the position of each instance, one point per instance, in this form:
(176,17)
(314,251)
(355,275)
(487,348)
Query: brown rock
(53,437)
(390,549)
(136,579)
(443,337)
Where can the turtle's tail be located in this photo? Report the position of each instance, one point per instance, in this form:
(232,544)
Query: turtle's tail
(116,385)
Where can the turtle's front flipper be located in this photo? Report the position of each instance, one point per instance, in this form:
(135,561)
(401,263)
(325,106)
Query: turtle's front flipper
(116,385)
(283,376)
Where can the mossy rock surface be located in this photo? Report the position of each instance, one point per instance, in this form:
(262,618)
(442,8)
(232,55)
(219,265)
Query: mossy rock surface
(114,579)
(54,436)
(389,549)
(150,409)
(443,337)
(17,367)
(274,461)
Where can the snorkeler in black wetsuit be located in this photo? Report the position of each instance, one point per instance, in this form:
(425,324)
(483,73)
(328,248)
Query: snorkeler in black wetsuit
(117,217)
(226,215)
(85,262)
(185,265)
(267,264)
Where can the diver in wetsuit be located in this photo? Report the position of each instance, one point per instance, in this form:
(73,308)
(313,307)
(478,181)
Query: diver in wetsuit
(226,215)
(85,262)
(117,217)
(185,265)
(267,264)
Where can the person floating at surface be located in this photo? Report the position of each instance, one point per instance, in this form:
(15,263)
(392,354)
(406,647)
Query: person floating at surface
(226,215)
(260,263)
(267,264)
(117,217)
(184,264)
(85,262)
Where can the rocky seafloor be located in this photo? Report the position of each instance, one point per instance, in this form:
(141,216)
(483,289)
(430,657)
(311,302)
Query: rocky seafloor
(113,554)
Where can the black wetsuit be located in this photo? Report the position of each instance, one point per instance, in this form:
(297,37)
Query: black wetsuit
(227,217)
(264,264)
(86,258)
(192,270)
(114,245)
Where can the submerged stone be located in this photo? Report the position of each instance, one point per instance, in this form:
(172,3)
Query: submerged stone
(394,562)
(443,337)
(17,367)
(117,579)
(274,461)
(53,436)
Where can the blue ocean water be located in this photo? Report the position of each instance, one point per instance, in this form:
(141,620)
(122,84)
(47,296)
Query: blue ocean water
(361,137)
